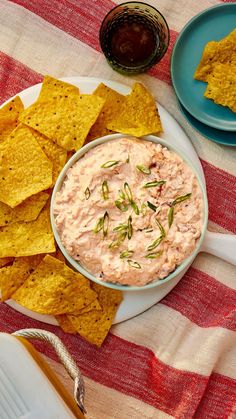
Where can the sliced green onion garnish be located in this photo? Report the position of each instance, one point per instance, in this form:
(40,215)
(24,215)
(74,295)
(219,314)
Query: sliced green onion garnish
(121,206)
(175,202)
(170,216)
(153,255)
(155,243)
(143,209)
(105,224)
(117,242)
(161,228)
(181,199)
(105,190)
(143,169)
(99,226)
(110,163)
(126,254)
(122,236)
(102,224)
(135,207)
(128,191)
(148,230)
(121,227)
(122,194)
(87,193)
(130,228)
(152,206)
(154,183)
(134,264)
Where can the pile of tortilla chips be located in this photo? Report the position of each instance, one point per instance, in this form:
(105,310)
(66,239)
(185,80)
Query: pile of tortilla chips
(218,68)
(35,144)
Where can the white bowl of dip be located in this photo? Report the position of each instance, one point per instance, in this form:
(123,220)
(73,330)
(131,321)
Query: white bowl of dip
(77,265)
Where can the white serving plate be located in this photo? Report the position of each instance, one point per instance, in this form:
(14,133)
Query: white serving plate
(135,302)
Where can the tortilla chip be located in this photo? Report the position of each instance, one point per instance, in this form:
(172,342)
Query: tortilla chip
(12,277)
(222,85)
(113,102)
(107,296)
(223,51)
(205,66)
(26,239)
(59,256)
(53,88)
(69,155)
(6,128)
(31,261)
(138,115)
(24,168)
(28,210)
(66,324)
(65,120)
(5,261)
(95,324)
(56,154)
(93,306)
(53,288)
(12,109)
(9,114)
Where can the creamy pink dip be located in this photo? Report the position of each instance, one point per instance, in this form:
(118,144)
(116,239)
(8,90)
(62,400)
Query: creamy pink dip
(148,242)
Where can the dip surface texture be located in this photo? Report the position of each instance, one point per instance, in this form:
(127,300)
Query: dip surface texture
(130,211)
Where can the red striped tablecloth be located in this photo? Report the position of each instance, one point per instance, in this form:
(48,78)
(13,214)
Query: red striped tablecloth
(178,359)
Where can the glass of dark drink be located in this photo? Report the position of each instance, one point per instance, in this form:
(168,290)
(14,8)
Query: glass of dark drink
(134,36)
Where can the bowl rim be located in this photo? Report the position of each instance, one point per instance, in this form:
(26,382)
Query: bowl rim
(75,264)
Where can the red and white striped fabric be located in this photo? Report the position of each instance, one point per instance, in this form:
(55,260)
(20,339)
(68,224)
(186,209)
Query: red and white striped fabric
(178,359)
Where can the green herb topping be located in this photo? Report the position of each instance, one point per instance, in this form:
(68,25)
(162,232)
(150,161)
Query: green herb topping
(179,199)
(143,209)
(170,216)
(143,169)
(155,243)
(154,183)
(121,227)
(152,206)
(135,207)
(105,190)
(87,193)
(122,195)
(110,163)
(154,255)
(134,264)
(105,224)
(122,206)
(102,224)
(118,241)
(99,225)
(128,192)
(130,228)
(128,195)
(126,254)
(161,228)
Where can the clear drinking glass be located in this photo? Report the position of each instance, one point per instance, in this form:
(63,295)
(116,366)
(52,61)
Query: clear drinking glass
(133,37)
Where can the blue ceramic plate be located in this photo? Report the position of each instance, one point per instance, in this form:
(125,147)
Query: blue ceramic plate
(216,135)
(211,25)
